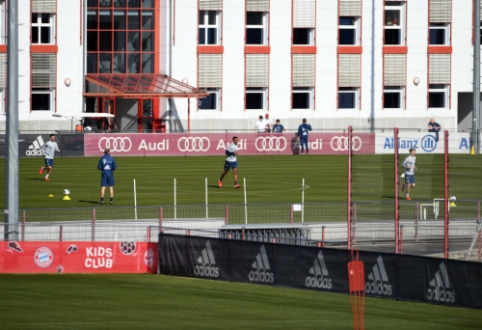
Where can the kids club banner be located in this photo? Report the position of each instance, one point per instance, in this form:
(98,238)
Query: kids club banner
(211,144)
(78,257)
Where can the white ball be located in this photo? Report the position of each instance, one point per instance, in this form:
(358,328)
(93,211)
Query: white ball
(66,192)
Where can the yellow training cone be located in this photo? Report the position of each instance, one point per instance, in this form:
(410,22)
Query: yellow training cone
(452,204)
(51,195)
(66,198)
(472,151)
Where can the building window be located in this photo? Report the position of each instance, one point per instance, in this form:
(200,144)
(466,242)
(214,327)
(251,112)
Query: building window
(349,31)
(43,28)
(439,34)
(303,36)
(256,28)
(212,101)
(256,98)
(209,22)
(438,96)
(393,97)
(42,99)
(302,98)
(3,22)
(348,98)
(120,36)
(395,24)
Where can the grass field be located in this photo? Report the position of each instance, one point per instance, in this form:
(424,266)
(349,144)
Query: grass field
(162,302)
(270,179)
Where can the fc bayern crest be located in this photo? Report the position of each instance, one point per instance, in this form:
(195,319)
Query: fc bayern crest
(43,257)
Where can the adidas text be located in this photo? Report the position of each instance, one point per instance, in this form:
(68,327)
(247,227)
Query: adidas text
(318,282)
(34,152)
(261,276)
(206,271)
(440,295)
(379,288)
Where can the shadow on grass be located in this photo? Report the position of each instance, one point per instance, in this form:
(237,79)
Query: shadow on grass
(37,179)
(88,202)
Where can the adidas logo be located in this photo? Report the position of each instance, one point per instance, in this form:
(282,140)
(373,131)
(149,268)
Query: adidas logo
(440,289)
(320,272)
(378,282)
(34,148)
(261,274)
(207,263)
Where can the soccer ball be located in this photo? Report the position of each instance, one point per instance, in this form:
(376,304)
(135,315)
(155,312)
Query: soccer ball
(66,192)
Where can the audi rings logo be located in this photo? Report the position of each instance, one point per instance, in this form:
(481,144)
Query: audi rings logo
(193,144)
(340,143)
(270,143)
(115,144)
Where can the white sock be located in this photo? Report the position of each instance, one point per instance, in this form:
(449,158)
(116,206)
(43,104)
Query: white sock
(46,176)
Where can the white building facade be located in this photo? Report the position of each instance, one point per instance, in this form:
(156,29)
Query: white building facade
(368,64)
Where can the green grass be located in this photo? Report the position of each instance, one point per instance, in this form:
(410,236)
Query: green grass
(162,302)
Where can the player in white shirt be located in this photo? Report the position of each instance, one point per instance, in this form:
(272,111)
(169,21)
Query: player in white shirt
(409,164)
(268,122)
(49,149)
(231,162)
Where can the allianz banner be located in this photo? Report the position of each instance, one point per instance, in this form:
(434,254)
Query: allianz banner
(215,144)
(30,144)
(414,278)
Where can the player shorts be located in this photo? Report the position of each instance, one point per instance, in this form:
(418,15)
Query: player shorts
(228,165)
(49,162)
(410,179)
(107,181)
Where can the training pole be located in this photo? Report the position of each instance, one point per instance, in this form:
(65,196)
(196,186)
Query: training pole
(396,204)
(303,201)
(245,204)
(135,200)
(175,199)
(206,185)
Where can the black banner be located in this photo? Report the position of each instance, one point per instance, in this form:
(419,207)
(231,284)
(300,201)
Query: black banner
(29,144)
(448,282)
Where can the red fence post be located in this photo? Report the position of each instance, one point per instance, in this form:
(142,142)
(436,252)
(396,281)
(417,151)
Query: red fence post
(92,234)
(350,153)
(446,194)
(401,240)
(226,215)
(480,246)
(148,234)
(397,182)
(478,211)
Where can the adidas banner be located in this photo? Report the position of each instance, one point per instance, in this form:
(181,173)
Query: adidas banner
(30,145)
(449,282)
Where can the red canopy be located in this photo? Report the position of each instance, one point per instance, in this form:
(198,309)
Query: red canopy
(138,85)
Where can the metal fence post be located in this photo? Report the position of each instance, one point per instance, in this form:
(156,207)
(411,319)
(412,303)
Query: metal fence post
(93,226)
(397,182)
(417,207)
(291,213)
(226,215)
(61,230)
(323,236)
(23,226)
(160,219)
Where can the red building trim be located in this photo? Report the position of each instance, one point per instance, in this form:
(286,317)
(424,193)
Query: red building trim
(3,48)
(303,49)
(257,49)
(350,50)
(439,49)
(44,49)
(202,49)
(395,50)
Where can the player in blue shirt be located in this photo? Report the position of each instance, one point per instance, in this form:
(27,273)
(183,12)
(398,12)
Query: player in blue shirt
(231,162)
(303,135)
(433,126)
(278,128)
(107,165)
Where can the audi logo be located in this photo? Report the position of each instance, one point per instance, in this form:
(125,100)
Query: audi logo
(193,144)
(115,144)
(340,143)
(270,143)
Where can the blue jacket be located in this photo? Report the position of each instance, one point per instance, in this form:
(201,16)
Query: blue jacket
(303,131)
(107,165)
